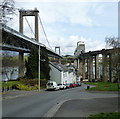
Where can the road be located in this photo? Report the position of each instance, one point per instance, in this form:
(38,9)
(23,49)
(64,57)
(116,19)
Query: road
(86,107)
(38,105)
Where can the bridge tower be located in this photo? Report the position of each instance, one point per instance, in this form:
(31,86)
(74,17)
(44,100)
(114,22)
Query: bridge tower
(59,52)
(57,48)
(23,13)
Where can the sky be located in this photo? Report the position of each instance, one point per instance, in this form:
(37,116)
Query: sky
(68,21)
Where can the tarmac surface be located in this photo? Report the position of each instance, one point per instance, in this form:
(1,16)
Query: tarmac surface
(76,102)
(19,93)
(86,107)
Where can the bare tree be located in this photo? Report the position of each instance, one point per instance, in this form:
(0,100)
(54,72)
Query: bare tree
(7,10)
(114,42)
(9,62)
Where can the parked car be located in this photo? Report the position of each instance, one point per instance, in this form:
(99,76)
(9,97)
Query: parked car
(67,85)
(76,84)
(72,85)
(79,83)
(52,85)
(62,86)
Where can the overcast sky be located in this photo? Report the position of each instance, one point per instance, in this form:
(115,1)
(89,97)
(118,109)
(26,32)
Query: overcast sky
(70,21)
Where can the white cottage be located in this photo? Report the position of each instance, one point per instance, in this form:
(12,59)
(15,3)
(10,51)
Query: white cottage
(61,74)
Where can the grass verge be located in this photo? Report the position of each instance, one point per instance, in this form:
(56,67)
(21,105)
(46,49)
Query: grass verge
(103,86)
(113,115)
(9,83)
(25,84)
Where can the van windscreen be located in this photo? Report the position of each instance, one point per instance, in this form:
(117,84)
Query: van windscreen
(49,84)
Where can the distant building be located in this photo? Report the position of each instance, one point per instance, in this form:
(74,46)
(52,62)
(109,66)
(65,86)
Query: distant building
(61,74)
(80,48)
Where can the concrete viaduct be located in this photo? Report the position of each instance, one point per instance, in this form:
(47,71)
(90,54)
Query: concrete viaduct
(87,58)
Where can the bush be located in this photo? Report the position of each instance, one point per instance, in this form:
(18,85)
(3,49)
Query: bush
(36,86)
(43,82)
(14,86)
(25,87)
(33,82)
(30,82)
(93,80)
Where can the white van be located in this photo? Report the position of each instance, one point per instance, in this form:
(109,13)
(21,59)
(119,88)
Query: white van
(52,85)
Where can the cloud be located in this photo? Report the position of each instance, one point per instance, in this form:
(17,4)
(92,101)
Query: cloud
(74,14)
(67,1)
(67,13)
(68,45)
(52,12)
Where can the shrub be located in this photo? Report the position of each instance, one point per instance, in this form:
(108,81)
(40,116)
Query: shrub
(36,86)
(14,86)
(43,82)
(33,82)
(30,82)
(93,80)
(25,87)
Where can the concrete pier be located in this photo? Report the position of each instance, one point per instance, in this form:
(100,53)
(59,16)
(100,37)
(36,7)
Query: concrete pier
(80,67)
(21,65)
(96,67)
(87,68)
(107,59)
(110,68)
(104,67)
(21,54)
(90,68)
(83,69)
(78,64)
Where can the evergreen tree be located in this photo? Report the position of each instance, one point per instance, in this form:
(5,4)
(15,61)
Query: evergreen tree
(32,64)
(44,65)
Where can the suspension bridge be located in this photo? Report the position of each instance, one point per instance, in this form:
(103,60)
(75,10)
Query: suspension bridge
(13,40)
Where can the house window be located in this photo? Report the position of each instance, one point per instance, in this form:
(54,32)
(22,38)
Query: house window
(64,75)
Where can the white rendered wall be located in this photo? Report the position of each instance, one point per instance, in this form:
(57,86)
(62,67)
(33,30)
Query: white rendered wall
(55,74)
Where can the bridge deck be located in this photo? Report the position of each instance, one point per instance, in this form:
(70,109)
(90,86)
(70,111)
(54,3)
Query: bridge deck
(93,53)
(15,41)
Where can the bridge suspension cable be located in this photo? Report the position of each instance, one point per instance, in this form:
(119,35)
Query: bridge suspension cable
(44,32)
(29,26)
(41,26)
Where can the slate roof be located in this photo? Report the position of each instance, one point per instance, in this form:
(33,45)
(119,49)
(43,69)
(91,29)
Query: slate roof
(60,67)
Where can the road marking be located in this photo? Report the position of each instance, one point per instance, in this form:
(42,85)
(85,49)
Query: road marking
(55,108)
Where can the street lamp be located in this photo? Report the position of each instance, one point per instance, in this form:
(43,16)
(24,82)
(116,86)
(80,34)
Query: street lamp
(39,70)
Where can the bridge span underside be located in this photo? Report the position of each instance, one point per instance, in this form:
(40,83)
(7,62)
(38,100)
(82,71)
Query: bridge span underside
(86,59)
(16,41)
